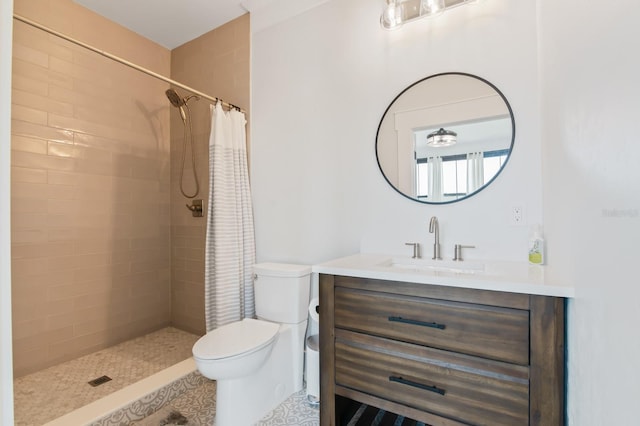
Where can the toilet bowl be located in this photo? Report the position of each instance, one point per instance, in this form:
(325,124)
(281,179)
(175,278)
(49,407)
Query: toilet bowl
(239,348)
(258,363)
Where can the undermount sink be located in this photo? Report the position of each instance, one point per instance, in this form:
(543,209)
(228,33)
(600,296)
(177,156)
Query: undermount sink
(427,265)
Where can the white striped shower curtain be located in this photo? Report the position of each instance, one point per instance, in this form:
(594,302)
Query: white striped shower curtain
(230,245)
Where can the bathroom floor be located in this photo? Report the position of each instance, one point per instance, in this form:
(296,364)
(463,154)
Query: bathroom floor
(48,394)
(197,408)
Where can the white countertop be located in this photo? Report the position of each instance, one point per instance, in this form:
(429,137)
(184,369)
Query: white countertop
(513,277)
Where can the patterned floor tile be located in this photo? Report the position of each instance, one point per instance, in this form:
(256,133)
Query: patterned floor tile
(198,407)
(295,411)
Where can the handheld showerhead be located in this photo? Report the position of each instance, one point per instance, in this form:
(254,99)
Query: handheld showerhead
(174,98)
(177,102)
(181,104)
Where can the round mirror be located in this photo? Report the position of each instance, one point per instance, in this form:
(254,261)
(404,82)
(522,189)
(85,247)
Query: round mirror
(445,138)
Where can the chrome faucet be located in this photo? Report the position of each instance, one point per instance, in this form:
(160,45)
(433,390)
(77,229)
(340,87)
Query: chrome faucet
(434,228)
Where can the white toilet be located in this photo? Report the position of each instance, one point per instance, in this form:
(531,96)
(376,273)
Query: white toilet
(259,363)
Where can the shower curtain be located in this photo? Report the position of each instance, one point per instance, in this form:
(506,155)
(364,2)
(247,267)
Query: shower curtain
(475,171)
(230,243)
(436,190)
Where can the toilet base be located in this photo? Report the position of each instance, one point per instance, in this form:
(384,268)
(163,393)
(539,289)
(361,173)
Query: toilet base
(245,400)
(240,402)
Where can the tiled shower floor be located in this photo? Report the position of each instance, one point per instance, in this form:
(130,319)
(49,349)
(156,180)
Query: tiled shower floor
(48,394)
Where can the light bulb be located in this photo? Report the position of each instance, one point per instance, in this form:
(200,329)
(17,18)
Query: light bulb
(390,15)
(432,7)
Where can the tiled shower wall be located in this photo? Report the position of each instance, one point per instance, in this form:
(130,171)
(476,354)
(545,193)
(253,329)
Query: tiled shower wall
(90,187)
(216,63)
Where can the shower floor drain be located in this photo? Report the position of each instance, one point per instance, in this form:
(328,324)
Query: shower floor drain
(99,381)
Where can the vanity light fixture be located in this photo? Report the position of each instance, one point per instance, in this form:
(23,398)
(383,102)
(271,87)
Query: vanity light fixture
(396,13)
(442,138)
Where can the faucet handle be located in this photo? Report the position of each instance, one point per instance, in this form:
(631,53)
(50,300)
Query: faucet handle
(457,251)
(416,250)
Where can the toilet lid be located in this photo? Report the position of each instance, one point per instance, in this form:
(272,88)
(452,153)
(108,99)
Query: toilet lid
(234,339)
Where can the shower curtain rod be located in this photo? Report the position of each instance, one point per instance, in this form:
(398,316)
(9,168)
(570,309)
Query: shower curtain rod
(125,62)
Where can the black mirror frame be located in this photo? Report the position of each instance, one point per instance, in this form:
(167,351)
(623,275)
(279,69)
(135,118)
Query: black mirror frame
(513,137)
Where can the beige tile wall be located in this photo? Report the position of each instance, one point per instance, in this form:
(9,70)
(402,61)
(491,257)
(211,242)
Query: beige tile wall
(90,188)
(216,63)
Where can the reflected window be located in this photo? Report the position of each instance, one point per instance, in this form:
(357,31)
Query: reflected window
(454,174)
(493,162)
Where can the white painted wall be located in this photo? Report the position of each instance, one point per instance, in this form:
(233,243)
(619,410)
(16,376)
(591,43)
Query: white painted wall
(590,88)
(6,365)
(321,82)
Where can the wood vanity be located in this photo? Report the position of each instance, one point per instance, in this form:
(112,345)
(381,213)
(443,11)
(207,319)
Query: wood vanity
(442,355)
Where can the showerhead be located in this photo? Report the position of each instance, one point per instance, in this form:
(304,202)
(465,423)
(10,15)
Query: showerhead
(177,102)
(174,98)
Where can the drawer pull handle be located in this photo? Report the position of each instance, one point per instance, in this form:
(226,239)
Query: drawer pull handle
(417,385)
(416,322)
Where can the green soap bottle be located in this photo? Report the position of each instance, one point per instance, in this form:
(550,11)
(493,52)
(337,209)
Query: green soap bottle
(536,246)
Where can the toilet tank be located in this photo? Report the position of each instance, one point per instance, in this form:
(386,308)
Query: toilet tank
(282,292)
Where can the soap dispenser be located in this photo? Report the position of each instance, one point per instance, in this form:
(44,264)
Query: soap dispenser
(536,246)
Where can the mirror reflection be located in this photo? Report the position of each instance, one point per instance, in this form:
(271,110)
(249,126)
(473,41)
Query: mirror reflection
(445,138)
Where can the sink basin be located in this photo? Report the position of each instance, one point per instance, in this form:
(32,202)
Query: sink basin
(427,265)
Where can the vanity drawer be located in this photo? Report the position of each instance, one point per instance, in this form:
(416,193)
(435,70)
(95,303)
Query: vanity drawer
(464,388)
(486,331)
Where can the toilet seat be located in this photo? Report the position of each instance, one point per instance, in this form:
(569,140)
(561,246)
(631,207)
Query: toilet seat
(234,339)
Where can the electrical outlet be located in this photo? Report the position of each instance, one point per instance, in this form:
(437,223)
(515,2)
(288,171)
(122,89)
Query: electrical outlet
(517,215)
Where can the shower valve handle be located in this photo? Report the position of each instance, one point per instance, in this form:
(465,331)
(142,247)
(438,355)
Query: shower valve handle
(196,208)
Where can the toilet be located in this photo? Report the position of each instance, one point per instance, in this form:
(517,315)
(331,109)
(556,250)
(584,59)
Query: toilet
(258,363)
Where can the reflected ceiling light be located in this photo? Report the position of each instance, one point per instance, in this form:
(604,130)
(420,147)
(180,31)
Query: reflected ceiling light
(442,138)
(432,7)
(396,13)
(390,17)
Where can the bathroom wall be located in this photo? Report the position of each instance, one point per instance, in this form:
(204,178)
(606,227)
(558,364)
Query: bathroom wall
(321,82)
(217,63)
(90,177)
(591,188)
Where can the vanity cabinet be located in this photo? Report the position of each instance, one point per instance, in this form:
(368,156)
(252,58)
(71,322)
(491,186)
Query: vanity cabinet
(445,356)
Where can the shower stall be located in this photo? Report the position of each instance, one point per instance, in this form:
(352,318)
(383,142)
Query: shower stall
(103,248)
